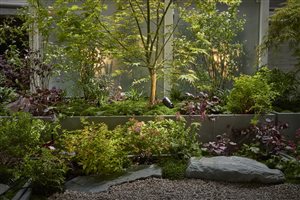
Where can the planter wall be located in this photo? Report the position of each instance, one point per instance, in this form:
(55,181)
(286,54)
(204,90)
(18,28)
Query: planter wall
(223,123)
(209,129)
(293,120)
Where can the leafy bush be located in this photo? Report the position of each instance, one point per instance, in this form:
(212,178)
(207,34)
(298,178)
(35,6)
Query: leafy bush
(173,169)
(22,153)
(102,151)
(97,149)
(162,136)
(251,94)
(20,135)
(46,171)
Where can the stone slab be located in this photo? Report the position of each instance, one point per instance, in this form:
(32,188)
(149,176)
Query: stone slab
(3,188)
(99,184)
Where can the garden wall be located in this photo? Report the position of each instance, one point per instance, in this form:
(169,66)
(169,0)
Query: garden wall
(210,127)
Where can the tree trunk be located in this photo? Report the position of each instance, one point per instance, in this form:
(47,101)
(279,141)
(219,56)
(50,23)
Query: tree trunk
(153,75)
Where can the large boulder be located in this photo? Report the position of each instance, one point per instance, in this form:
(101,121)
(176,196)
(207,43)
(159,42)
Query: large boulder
(232,169)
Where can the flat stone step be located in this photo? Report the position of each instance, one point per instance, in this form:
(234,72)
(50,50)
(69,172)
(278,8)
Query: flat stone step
(3,188)
(100,184)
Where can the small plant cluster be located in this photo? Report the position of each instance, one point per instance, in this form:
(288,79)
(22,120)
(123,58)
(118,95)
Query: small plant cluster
(101,151)
(201,105)
(222,146)
(40,103)
(264,138)
(24,155)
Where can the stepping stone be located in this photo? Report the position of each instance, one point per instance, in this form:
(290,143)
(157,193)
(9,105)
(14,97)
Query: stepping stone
(232,169)
(3,188)
(99,184)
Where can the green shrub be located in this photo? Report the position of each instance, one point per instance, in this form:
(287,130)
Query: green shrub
(162,136)
(251,94)
(173,169)
(21,134)
(97,149)
(46,171)
(22,155)
(102,151)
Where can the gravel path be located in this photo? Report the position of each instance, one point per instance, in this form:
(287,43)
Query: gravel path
(188,189)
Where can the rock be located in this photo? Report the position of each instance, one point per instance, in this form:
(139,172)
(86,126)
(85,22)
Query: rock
(3,188)
(232,169)
(98,184)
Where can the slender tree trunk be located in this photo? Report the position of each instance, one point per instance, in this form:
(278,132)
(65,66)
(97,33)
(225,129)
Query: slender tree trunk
(153,76)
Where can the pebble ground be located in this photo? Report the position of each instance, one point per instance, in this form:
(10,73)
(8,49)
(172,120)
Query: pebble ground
(187,189)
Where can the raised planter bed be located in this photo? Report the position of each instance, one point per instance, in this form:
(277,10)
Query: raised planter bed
(211,127)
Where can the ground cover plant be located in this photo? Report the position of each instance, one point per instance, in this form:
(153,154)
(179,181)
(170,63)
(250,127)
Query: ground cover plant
(80,107)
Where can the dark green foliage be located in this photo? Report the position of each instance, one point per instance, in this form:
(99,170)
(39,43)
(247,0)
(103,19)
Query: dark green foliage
(289,166)
(125,107)
(286,84)
(7,94)
(284,27)
(46,171)
(22,154)
(173,169)
(20,135)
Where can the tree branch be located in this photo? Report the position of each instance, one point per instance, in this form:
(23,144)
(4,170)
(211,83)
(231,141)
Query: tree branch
(137,23)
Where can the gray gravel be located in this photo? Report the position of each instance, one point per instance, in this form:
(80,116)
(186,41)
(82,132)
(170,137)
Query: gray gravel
(187,189)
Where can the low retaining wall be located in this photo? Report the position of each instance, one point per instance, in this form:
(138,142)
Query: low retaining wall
(223,123)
